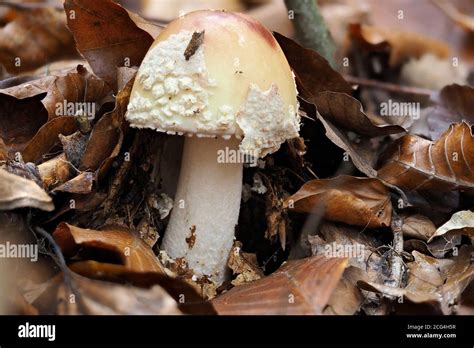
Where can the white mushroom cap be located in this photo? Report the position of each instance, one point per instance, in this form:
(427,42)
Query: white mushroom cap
(237,82)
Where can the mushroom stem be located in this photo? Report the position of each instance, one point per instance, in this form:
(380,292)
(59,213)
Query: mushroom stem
(206,206)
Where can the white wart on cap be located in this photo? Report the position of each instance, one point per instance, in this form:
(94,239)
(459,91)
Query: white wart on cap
(236,82)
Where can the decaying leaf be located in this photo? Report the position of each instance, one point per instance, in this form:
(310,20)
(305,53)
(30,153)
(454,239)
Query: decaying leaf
(82,184)
(461,223)
(243,264)
(298,287)
(47,136)
(401,45)
(18,192)
(107,135)
(34,38)
(417,226)
(123,245)
(98,29)
(414,163)
(434,281)
(357,201)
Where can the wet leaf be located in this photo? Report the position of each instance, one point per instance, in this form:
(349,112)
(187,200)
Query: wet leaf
(17,192)
(461,223)
(414,163)
(357,201)
(298,287)
(34,38)
(119,243)
(109,36)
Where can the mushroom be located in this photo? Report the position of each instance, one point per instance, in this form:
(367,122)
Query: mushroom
(221,79)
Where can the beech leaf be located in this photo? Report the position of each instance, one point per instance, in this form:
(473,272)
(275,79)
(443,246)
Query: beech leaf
(352,200)
(298,287)
(413,163)
(18,192)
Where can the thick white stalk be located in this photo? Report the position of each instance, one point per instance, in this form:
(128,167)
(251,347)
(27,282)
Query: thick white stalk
(206,206)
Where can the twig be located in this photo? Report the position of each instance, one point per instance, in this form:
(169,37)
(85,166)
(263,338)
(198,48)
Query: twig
(397,268)
(391,87)
(311,29)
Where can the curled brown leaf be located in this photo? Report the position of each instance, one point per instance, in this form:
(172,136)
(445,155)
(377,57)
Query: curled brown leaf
(356,201)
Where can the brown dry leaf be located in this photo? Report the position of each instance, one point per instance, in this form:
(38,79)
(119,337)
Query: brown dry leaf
(434,281)
(75,85)
(20,119)
(81,184)
(18,192)
(347,112)
(313,72)
(347,297)
(34,38)
(417,226)
(298,287)
(402,45)
(47,136)
(94,297)
(355,201)
(107,135)
(461,223)
(109,36)
(318,83)
(189,300)
(245,265)
(118,242)
(363,160)
(413,163)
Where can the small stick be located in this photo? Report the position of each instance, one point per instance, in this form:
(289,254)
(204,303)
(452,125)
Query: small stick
(391,87)
(397,268)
